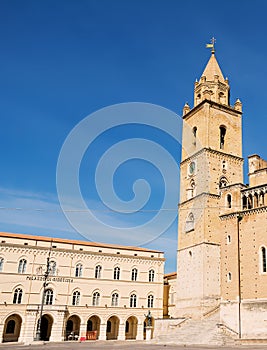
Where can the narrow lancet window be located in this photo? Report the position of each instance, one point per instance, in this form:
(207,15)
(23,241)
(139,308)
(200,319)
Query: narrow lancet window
(222,136)
(263,258)
(194,135)
(229,201)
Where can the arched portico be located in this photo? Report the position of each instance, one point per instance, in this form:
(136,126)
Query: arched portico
(131,327)
(93,325)
(46,327)
(12,328)
(112,330)
(73,327)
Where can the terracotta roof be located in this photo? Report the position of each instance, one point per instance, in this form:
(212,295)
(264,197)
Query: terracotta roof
(77,242)
(213,68)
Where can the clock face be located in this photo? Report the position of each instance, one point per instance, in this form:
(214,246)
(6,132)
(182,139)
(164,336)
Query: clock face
(192,167)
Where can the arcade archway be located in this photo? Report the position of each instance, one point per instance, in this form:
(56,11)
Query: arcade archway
(46,327)
(93,325)
(73,327)
(113,328)
(12,328)
(131,328)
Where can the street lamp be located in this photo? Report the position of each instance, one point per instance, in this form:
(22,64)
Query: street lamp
(46,274)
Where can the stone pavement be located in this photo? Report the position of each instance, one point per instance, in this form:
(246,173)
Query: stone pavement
(120,345)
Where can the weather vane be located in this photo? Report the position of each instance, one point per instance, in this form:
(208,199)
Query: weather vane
(212,45)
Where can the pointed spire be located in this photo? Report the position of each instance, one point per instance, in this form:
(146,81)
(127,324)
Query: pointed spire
(213,69)
(212,84)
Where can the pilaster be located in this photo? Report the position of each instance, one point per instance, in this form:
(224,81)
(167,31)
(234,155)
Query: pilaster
(121,333)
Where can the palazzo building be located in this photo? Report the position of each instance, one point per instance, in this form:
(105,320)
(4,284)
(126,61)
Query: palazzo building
(92,290)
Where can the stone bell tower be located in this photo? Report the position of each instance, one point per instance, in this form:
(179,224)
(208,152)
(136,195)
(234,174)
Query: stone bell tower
(211,159)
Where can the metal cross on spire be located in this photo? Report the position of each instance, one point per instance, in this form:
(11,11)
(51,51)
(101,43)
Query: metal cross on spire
(212,45)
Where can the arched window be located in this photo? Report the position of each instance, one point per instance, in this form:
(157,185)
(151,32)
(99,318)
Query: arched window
(250,201)
(194,135)
(79,270)
(244,202)
(256,200)
(76,298)
(116,273)
(150,301)
(17,296)
(96,298)
(190,223)
(49,294)
(133,300)
(98,269)
(192,189)
(229,201)
(1,264)
(261,199)
(134,274)
(223,182)
(263,259)
(222,98)
(151,275)
(10,327)
(52,268)
(115,299)
(222,136)
(22,266)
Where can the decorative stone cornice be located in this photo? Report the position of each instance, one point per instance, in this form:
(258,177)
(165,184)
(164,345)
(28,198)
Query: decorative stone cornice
(255,189)
(198,244)
(216,105)
(214,152)
(57,252)
(257,210)
(204,194)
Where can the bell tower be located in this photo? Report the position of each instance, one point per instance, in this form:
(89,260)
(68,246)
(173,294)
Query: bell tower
(211,159)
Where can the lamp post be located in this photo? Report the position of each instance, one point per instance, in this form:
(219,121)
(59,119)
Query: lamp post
(46,274)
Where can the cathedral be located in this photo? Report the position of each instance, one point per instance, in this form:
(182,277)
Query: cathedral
(67,290)
(222,230)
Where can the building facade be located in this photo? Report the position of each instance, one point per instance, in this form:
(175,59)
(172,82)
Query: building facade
(222,221)
(92,290)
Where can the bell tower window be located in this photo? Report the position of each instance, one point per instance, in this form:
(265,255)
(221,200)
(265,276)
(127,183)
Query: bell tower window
(194,135)
(192,189)
(222,136)
(223,182)
(229,201)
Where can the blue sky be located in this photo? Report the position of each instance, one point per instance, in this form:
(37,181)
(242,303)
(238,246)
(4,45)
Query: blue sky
(63,60)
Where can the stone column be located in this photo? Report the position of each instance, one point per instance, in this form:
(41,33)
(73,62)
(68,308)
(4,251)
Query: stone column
(2,325)
(140,331)
(121,334)
(102,332)
(57,331)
